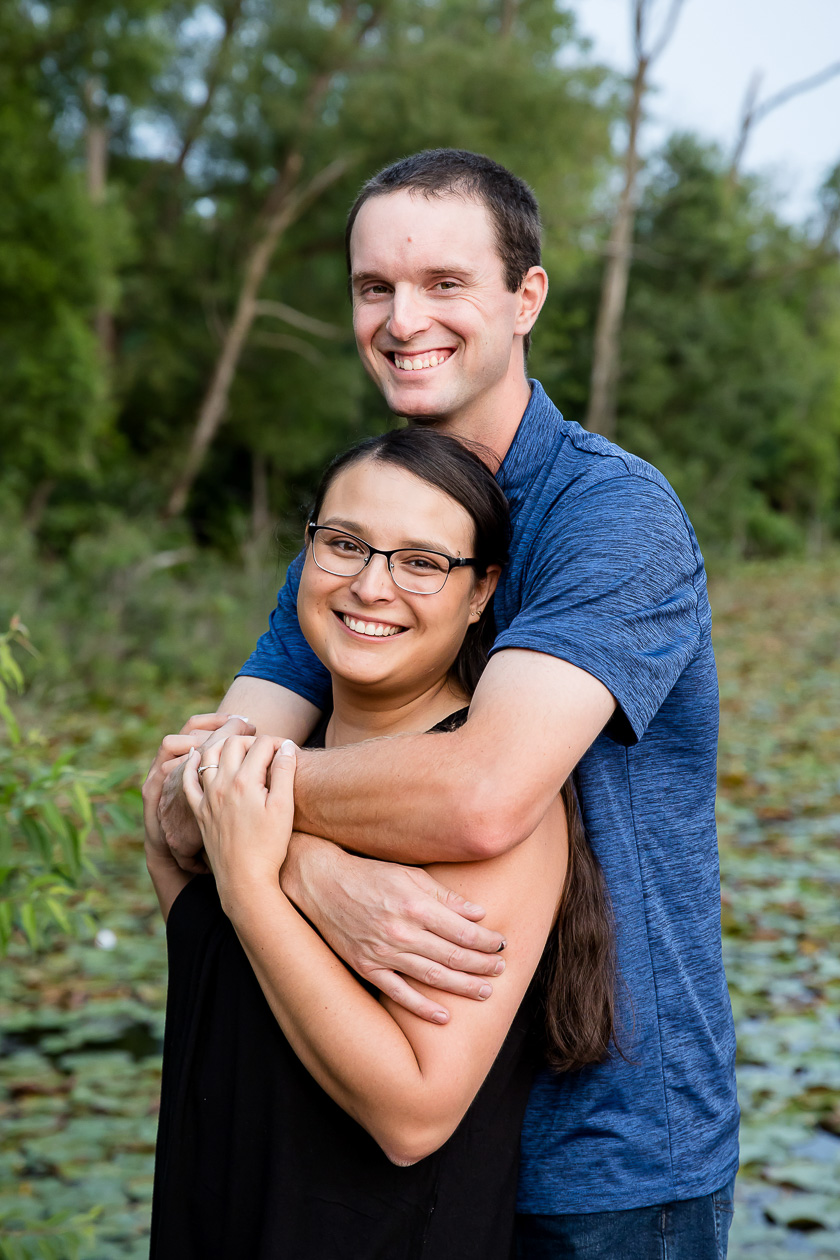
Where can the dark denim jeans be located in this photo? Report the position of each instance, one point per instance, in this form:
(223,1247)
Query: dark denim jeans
(692,1229)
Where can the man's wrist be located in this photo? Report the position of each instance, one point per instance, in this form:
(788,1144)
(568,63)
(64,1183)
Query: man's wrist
(304,854)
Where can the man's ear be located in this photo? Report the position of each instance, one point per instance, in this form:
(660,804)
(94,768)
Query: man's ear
(532,294)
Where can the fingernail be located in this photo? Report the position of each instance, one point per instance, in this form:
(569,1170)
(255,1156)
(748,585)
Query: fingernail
(499,968)
(501,947)
(287,748)
(484,991)
(241,718)
(470,905)
(440,1017)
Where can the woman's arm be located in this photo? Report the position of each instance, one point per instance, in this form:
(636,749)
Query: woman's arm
(407,1082)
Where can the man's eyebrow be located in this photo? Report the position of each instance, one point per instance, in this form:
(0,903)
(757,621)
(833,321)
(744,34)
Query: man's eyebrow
(353,527)
(359,277)
(440,269)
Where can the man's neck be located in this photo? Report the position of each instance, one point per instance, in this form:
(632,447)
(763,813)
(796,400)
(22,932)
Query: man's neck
(491,424)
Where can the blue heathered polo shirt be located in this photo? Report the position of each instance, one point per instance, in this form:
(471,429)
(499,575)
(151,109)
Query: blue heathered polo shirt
(605,573)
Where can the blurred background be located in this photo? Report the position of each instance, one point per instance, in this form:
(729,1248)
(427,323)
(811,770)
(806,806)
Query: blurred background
(178,364)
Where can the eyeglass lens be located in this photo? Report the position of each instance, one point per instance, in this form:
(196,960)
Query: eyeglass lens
(420,572)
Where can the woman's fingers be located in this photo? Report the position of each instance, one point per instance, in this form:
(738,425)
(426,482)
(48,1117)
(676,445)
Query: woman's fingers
(215,721)
(283,766)
(192,788)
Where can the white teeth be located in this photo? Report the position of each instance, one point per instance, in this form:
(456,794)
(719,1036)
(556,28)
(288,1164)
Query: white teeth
(421,361)
(374,629)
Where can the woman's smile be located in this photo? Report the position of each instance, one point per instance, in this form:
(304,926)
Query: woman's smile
(368,627)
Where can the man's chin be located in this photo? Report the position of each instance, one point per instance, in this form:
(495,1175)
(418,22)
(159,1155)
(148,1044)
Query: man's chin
(426,412)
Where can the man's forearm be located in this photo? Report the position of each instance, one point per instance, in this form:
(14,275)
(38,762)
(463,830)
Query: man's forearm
(463,795)
(372,798)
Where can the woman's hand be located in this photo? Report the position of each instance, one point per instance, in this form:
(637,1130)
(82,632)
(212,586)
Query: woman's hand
(244,809)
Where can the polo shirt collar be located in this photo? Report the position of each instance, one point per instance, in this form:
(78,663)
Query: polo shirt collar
(533,442)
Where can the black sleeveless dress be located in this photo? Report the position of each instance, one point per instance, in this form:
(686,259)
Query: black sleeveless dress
(256,1162)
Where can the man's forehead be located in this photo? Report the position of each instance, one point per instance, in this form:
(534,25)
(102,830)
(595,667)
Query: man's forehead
(408,222)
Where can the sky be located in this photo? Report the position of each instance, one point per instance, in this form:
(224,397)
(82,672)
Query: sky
(704,72)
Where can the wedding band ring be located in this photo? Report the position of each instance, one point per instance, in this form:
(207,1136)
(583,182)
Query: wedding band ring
(214,765)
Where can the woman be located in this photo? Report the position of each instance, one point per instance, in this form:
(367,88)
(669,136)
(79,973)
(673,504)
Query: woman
(301,1116)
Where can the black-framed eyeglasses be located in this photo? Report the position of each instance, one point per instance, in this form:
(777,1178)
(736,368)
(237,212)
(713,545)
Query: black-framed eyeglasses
(413,569)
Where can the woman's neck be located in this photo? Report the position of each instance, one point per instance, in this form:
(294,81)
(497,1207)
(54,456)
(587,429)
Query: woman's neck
(358,716)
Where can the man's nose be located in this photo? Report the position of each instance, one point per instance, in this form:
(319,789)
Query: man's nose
(374,582)
(409,314)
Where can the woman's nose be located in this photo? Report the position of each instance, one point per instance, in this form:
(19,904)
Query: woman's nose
(374,582)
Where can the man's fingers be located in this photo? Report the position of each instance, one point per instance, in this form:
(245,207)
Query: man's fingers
(454,928)
(454,901)
(439,976)
(401,992)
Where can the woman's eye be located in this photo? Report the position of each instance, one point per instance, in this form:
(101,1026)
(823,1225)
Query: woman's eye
(346,546)
(422,564)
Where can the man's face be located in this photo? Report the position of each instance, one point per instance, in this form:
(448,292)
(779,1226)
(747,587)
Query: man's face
(435,326)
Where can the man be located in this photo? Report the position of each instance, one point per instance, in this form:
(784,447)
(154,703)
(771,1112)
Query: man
(603,661)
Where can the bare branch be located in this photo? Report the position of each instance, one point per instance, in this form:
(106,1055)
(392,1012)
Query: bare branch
(667,31)
(214,78)
(193,128)
(285,341)
(747,117)
(753,113)
(796,89)
(307,323)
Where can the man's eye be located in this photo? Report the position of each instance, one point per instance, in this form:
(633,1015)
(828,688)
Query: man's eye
(446,285)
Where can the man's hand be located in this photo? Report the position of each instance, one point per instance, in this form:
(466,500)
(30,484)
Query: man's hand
(177,823)
(389,922)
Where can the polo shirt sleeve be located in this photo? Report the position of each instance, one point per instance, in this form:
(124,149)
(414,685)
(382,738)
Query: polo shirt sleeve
(608,585)
(282,654)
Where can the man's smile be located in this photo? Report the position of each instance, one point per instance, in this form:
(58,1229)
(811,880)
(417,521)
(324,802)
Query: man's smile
(420,359)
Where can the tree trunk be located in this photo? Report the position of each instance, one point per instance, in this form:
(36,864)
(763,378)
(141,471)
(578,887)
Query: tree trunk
(606,351)
(606,356)
(260,508)
(285,204)
(96,172)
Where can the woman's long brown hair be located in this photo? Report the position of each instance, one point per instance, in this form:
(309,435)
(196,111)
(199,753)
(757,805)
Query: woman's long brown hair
(578,969)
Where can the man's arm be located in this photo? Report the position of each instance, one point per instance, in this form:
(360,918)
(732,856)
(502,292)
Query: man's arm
(464,795)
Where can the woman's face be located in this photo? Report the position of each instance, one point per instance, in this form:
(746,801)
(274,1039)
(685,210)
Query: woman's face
(399,642)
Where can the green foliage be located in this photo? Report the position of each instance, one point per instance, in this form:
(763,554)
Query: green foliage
(61,1236)
(83,1024)
(46,818)
(730,357)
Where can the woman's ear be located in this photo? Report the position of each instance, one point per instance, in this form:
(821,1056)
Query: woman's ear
(483,591)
